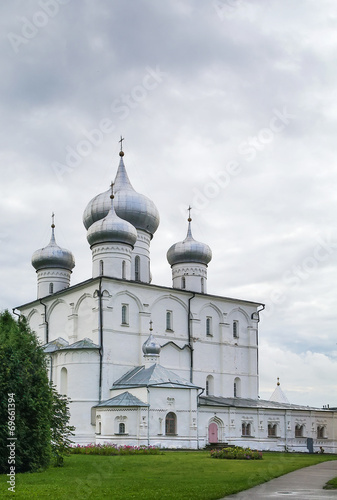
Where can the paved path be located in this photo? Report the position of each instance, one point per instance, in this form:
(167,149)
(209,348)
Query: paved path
(302,484)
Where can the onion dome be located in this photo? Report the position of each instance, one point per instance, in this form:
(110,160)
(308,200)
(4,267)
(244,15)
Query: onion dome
(189,250)
(151,347)
(52,255)
(131,206)
(112,229)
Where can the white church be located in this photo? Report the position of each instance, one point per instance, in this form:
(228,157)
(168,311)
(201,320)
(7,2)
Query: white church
(145,364)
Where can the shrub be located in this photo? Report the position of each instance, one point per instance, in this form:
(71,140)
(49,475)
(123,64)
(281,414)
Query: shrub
(237,453)
(114,449)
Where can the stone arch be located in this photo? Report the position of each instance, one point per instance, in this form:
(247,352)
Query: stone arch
(239,310)
(129,294)
(170,297)
(215,430)
(80,300)
(214,307)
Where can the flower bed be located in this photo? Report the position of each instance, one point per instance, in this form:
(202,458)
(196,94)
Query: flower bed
(113,449)
(237,453)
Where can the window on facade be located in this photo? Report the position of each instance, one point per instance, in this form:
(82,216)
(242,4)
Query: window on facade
(101,268)
(137,268)
(123,270)
(169,320)
(237,387)
(183,282)
(272,430)
(64,381)
(235,329)
(320,432)
(209,326)
(51,287)
(99,428)
(209,385)
(125,314)
(246,429)
(202,285)
(121,428)
(171,424)
(299,430)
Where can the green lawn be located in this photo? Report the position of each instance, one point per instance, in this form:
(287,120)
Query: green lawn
(173,475)
(331,485)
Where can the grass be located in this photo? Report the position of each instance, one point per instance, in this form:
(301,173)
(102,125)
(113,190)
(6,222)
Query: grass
(331,485)
(173,475)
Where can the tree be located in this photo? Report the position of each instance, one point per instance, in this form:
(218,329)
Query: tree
(39,414)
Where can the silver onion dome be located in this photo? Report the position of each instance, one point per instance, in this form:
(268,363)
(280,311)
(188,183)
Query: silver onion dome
(189,250)
(112,229)
(131,206)
(52,255)
(151,346)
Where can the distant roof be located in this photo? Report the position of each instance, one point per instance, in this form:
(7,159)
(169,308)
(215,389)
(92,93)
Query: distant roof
(124,399)
(60,344)
(250,403)
(154,376)
(278,395)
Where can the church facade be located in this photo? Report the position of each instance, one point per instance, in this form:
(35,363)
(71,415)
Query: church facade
(145,364)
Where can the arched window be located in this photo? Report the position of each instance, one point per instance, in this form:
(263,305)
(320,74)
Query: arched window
(299,430)
(237,387)
(123,270)
(246,429)
(209,326)
(209,385)
(320,432)
(121,428)
(169,320)
(272,430)
(64,381)
(202,285)
(125,314)
(51,287)
(137,268)
(183,282)
(235,329)
(101,268)
(171,424)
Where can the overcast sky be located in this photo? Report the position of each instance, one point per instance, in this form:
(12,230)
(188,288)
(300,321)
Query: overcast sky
(229,106)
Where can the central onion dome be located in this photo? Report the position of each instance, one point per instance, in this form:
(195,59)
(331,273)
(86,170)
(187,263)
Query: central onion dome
(129,205)
(52,255)
(189,250)
(112,229)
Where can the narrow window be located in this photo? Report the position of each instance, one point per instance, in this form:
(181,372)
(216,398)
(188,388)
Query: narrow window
(183,282)
(101,268)
(64,381)
(125,314)
(299,430)
(51,287)
(272,430)
(320,432)
(235,390)
(171,424)
(99,428)
(245,429)
(237,387)
(235,329)
(169,320)
(209,326)
(121,428)
(123,270)
(209,385)
(202,285)
(137,268)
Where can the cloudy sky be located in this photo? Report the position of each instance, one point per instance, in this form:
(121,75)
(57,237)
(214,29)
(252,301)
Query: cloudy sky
(227,105)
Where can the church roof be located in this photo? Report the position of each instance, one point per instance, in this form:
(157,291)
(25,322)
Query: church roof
(82,344)
(278,395)
(54,345)
(124,399)
(154,376)
(250,403)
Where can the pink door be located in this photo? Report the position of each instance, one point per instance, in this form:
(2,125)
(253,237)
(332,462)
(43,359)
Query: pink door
(213,433)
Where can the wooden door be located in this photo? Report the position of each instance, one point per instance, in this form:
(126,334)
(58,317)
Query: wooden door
(213,433)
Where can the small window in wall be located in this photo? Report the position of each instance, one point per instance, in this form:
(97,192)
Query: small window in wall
(320,432)
(125,314)
(235,329)
(64,381)
(202,285)
(137,268)
(299,430)
(237,387)
(209,332)
(209,385)
(246,429)
(51,287)
(101,268)
(121,428)
(99,428)
(171,424)
(272,430)
(169,325)
(183,282)
(123,269)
